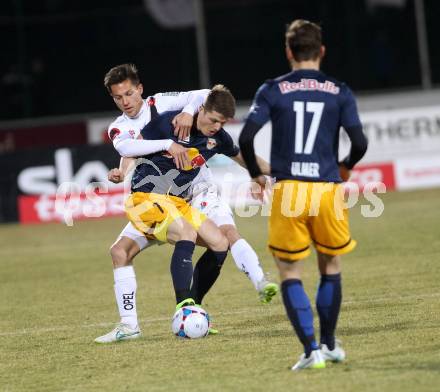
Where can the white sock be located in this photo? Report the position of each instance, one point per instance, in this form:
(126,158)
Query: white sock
(125,292)
(247,261)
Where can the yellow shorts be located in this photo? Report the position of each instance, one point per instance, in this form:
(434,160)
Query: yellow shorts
(152,213)
(306,212)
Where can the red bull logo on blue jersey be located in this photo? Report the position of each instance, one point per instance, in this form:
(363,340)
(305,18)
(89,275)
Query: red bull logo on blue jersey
(308,85)
(196,159)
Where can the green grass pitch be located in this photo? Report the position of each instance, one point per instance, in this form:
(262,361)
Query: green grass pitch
(56,289)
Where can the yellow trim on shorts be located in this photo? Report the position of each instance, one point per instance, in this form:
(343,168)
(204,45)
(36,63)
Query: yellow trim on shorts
(290,255)
(295,255)
(338,250)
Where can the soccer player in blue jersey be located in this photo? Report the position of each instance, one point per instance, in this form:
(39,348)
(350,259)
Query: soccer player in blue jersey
(157,205)
(160,190)
(307,109)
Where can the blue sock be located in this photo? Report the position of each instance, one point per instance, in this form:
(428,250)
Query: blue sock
(206,273)
(300,313)
(328,304)
(182,269)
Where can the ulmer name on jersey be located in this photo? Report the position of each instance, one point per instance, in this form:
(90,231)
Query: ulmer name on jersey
(305,169)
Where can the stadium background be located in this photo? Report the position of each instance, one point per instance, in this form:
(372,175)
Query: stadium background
(54,56)
(56,280)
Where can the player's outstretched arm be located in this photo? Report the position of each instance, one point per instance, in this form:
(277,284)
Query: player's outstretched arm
(186,101)
(257,192)
(189,102)
(132,148)
(246,142)
(118,175)
(264,166)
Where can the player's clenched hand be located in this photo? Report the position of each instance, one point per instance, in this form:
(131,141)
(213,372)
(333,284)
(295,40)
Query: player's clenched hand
(182,125)
(180,155)
(116,176)
(344,172)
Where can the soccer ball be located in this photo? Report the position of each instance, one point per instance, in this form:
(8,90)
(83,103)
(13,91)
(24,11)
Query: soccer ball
(191,322)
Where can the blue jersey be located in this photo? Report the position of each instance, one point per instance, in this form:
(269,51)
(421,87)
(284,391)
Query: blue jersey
(158,174)
(307,109)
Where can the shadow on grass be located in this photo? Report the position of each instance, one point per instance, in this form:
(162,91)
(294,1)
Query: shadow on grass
(363,330)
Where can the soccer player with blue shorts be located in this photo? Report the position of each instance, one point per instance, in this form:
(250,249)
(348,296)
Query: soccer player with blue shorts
(307,109)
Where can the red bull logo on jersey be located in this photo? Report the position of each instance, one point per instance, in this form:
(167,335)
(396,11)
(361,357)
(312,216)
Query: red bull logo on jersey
(308,85)
(211,143)
(196,159)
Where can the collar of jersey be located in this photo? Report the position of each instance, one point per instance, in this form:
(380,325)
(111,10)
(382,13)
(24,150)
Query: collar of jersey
(307,71)
(144,105)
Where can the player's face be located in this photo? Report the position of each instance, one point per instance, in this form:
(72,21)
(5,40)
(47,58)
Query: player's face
(209,123)
(128,97)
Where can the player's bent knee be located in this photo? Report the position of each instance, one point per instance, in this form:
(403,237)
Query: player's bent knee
(231,233)
(119,255)
(123,251)
(329,264)
(181,230)
(289,269)
(189,235)
(221,244)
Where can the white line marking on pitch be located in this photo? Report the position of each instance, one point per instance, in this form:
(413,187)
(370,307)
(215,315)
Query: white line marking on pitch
(27,331)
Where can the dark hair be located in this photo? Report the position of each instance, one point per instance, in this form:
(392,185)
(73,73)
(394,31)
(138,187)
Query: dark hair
(304,39)
(120,73)
(221,100)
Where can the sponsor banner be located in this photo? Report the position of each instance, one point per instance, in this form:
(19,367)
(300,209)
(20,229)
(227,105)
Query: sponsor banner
(42,171)
(362,175)
(69,208)
(416,173)
(396,133)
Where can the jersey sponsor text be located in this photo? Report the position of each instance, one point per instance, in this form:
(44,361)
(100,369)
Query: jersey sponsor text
(308,85)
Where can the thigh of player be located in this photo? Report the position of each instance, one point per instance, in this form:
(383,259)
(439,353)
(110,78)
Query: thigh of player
(289,237)
(329,227)
(139,238)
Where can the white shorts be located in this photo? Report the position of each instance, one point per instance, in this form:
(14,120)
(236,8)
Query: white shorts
(131,232)
(206,199)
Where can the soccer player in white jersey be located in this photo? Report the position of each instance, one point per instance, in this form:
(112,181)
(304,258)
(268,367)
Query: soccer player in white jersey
(124,86)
